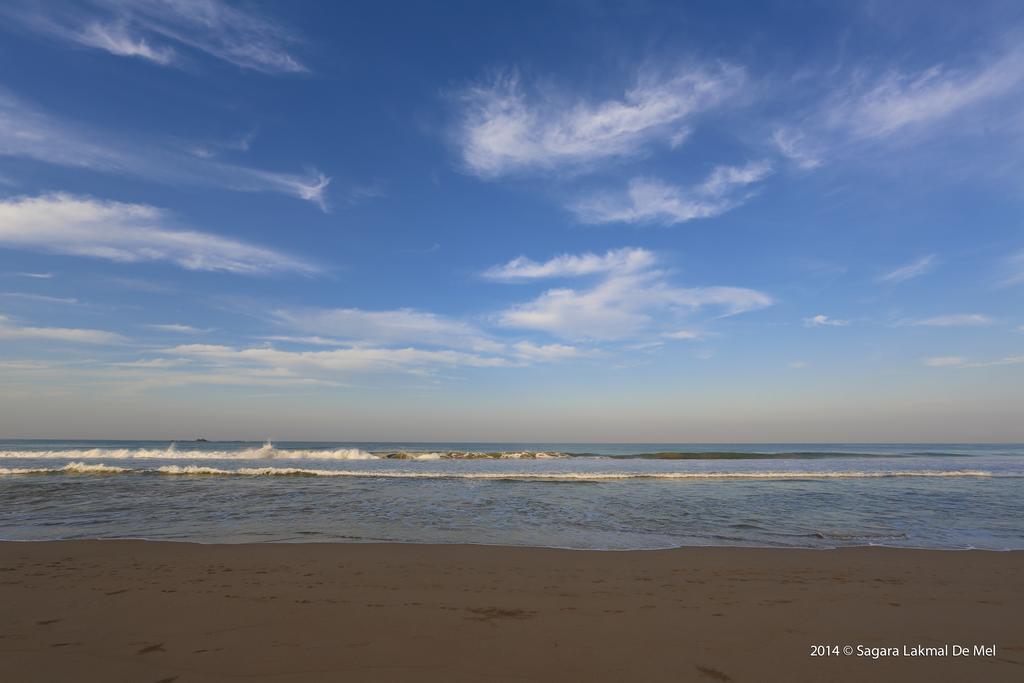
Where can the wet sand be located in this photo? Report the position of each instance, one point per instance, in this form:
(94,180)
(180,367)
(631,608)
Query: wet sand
(163,612)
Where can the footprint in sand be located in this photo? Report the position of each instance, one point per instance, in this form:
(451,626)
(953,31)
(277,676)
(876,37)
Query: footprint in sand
(158,647)
(488,613)
(713,674)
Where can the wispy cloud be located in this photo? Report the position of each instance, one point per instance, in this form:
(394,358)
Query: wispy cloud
(899,107)
(35,276)
(624,304)
(909,271)
(794,146)
(11,330)
(157,31)
(27,132)
(530,352)
(961,362)
(648,200)
(267,363)
(897,101)
(213,148)
(84,226)
(824,321)
(1013,267)
(624,260)
(505,129)
(42,298)
(684,335)
(177,328)
(346,360)
(399,326)
(957,320)
(117,39)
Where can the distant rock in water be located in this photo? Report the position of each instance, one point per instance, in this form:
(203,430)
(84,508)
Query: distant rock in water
(201,440)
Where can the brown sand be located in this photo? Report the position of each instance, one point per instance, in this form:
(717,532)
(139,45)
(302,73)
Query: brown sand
(146,611)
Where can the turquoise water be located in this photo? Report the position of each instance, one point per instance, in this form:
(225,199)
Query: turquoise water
(607,496)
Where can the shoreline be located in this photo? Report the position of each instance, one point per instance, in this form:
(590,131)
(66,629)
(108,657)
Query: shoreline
(469,544)
(111,610)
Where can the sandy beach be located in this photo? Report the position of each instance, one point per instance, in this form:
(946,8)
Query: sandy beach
(162,612)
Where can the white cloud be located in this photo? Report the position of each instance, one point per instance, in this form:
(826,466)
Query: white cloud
(897,101)
(623,304)
(530,352)
(399,326)
(115,39)
(911,270)
(724,179)
(961,362)
(684,335)
(9,330)
(624,260)
(30,133)
(959,320)
(824,320)
(353,359)
(36,276)
(369,330)
(176,328)
(42,298)
(144,29)
(83,226)
(505,129)
(649,200)
(1014,267)
(793,145)
(903,107)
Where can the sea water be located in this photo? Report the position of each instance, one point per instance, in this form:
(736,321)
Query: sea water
(603,496)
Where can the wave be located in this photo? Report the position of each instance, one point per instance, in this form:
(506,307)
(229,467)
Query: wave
(561,476)
(197,470)
(70,468)
(268,452)
(264,452)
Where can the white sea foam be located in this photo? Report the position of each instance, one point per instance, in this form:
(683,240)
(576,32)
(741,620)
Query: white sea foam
(557,476)
(70,468)
(265,452)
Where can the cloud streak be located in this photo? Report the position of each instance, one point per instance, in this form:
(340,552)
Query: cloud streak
(648,200)
(956,320)
(909,271)
(505,129)
(625,303)
(27,132)
(572,265)
(897,101)
(824,321)
(128,233)
(961,362)
(158,30)
(902,107)
(11,331)
(399,326)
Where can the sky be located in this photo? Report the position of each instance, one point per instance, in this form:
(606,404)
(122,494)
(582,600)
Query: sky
(537,221)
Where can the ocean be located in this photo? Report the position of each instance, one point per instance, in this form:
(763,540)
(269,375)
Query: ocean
(586,496)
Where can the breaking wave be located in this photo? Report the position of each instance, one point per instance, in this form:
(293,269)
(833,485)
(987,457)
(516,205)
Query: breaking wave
(268,452)
(199,470)
(70,468)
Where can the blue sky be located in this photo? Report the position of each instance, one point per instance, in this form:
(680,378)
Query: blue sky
(632,221)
